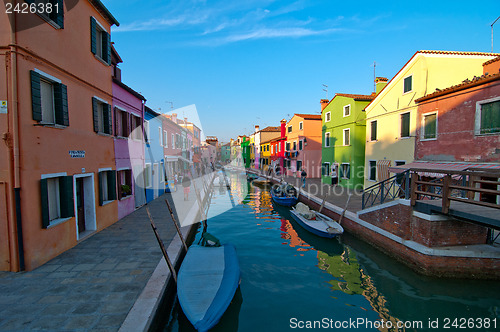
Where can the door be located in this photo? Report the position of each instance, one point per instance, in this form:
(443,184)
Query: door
(80,204)
(156,180)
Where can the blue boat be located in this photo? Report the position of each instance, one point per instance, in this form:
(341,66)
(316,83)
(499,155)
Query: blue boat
(284,194)
(315,222)
(208,279)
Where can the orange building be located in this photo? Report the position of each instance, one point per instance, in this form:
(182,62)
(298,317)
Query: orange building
(57,164)
(303,145)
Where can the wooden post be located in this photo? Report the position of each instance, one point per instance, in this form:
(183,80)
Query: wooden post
(162,247)
(323,203)
(176,225)
(413,194)
(470,193)
(446,194)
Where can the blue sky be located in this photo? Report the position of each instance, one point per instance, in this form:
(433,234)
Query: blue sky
(252,62)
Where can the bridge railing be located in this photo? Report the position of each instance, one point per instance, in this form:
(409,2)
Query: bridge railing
(397,186)
(460,186)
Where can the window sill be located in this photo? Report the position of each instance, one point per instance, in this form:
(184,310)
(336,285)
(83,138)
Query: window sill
(106,203)
(101,60)
(50,125)
(406,137)
(428,139)
(487,134)
(100,133)
(56,222)
(126,197)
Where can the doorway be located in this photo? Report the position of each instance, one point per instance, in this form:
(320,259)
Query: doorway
(84,205)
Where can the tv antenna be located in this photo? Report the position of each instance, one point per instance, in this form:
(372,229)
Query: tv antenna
(374,77)
(171,104)
(492,33)
(326,90)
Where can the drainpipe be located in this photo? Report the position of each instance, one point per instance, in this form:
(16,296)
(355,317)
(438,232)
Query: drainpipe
(17,263)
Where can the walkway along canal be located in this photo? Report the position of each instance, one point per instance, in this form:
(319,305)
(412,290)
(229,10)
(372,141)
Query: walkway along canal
(291,278)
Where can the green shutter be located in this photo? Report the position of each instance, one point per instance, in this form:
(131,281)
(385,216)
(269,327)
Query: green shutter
(61,104)
(111,185)
(430,126)
(107,119)
(95,112)
(374,131)
(490,118)
(45,203)
(405,125)
(66,194)
(93,35)
(60,15)
(101,199)
(36,96)
(107,49)
(115,114)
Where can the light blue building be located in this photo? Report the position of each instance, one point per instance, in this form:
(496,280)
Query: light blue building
(154,170)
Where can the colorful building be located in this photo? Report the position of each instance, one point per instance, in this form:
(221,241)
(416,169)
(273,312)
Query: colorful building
(278,150)
(391,118)
(128,114)
(225,153)
(154,169)
(265,155)
(57,166)
(263,135)
(461,122)
(343,147)
(303,145)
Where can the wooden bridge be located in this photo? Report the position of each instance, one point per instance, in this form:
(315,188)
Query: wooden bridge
(471,195)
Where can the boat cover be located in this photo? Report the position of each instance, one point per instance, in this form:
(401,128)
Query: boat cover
(208,279)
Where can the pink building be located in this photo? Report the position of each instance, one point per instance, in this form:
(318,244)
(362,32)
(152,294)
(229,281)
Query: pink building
(128,115)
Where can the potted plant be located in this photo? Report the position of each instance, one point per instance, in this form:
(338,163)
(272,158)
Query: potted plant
(126,190)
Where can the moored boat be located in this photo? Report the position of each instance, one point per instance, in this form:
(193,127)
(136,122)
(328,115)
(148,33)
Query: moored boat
(208,279)
(316,222)
(284,194)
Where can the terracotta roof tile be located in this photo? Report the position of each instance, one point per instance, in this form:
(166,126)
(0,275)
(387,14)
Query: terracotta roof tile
(458,53)
(491,61)
(270,129)
(309,116)
(477,80)
(356,97)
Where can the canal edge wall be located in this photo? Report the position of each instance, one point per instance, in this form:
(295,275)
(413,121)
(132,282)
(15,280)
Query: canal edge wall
(143,315)
(463,262)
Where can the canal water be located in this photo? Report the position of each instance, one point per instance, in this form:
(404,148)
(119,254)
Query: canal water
(294,280)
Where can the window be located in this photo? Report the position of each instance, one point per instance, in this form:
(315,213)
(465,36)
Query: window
(279,146)
(165,136)
(301,125)
(177,141)
(102,116)
(56,198)
(100,41)
(400,176)
(325,169)
(405,125)
(327,117)
(121,123)
(136,127)
(162,172)
(347,110)
(347,137)
(287,146)
(373,134)
(488,117)
(295,146)
(327,140)
(300,145)
(345,171)
(107,185)
(124,183)
(56,15)
(49,99)
(160,136)
(147,176)
(173,141)
(407,84)
(290,129)
(372,169)
(430,126)
(272,149)
(299,165)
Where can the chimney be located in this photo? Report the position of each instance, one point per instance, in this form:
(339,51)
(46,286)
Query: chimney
(283,128)
(174,117)
(257,128)
(380,83)
(323,103)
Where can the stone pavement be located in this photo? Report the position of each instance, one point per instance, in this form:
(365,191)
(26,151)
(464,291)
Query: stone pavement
(94,285)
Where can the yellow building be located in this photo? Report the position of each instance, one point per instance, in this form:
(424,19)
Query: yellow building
(265,154)
(391,118)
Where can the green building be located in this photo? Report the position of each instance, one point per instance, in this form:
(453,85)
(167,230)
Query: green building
(225,153)
(344,131)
